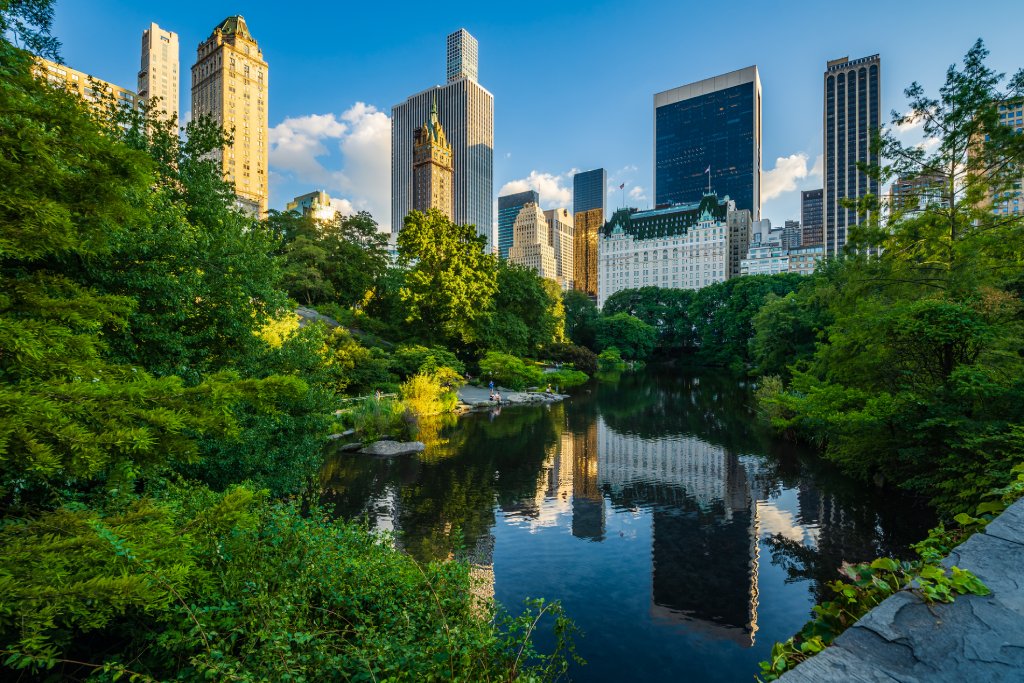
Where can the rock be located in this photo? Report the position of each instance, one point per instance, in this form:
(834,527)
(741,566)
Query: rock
(351,447)
(391,448)
(346,433)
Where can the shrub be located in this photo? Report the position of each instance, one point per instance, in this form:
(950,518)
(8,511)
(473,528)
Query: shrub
(581,358)
(408,360)
(372,418)
(509,371)
(610,360)
(566,378)
(423,395)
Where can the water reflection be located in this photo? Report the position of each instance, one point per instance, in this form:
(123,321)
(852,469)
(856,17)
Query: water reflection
(678,534)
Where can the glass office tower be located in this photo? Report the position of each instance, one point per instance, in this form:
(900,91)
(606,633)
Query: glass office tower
(588,190)
(810,217)
(710,128)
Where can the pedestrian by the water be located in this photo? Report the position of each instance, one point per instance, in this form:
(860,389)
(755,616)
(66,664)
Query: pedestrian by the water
(491,386)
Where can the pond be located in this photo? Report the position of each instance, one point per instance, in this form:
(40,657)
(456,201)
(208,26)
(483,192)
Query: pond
(680,536)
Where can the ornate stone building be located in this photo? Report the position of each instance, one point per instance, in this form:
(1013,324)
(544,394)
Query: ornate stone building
(230,83)
(432,167)
(531,244)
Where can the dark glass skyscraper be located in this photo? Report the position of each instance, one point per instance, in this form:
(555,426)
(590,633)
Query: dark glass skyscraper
(852,112)
(508,209)
(588,190)
(810,217)
(710,128)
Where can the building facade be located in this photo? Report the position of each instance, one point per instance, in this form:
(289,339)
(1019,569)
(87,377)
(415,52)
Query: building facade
(588,190)
(91,89)
(230,84)
(432,167)
(681,247)
(587,226)
(316,204)
(805,259)
(465,110)
(1010,202)
(811,217)
(588,206)
(159,75)
(792,237)
(739,238)
(509,207)
(765,259)
(709,132)
(531,242)
(560,231)
(852,115)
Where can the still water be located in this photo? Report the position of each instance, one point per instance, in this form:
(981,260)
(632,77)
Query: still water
(681,538)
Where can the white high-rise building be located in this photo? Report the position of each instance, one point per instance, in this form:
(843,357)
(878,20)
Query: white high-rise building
(531,243)
(158,72)
(465,110)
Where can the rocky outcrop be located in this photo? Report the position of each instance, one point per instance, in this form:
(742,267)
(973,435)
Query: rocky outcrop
(392,448)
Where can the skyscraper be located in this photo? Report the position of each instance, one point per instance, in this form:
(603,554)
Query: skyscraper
(710,131)
(466,112)
(158,71)
(509,207)
(462,56)
(588,190)
(810,217)
(230,84)
(560,232)
(432,167)
(531,243)
(588,193)
(852,113)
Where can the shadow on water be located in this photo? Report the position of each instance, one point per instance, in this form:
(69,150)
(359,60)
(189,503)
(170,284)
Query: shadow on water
(679,534)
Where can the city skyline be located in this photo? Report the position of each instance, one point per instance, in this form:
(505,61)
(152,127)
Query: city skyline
(329,136)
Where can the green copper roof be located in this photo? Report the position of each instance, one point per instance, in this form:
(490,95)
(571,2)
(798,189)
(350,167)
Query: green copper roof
(235,25)
(668,222)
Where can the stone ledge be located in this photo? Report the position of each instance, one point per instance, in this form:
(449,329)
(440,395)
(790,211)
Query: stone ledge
(975,638)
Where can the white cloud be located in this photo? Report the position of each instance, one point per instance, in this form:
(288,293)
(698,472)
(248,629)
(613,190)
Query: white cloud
(555,190)
(638,193)
(781,186)
(786,174)
(362,137)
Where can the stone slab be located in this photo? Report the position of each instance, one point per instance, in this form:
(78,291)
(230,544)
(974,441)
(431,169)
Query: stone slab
(1010,524)
(974,639)
(391,448)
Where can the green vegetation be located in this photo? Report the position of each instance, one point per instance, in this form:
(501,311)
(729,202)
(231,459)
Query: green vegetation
(632,337)
(905,358)
(162,415)
(509,371)
(864,586)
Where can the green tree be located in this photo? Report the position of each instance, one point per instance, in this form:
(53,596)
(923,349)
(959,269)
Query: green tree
(528,313)
(581,316)
(666,310)
(450,282)
(634,338)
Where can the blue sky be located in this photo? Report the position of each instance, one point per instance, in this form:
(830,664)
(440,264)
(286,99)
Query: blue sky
(573,81)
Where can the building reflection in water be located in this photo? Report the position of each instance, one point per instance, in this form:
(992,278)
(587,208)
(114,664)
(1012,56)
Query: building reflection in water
(704,527)
(705,524)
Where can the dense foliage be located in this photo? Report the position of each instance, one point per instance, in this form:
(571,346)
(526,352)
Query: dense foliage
(157,403)
(909,366)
